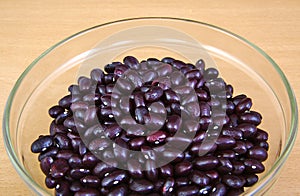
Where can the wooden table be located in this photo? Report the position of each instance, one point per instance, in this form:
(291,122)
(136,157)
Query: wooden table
(27,28)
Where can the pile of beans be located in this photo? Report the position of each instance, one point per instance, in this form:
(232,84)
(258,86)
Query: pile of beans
(95,117)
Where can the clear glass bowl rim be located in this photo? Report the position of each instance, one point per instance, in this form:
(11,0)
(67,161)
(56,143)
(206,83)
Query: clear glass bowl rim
(273,171)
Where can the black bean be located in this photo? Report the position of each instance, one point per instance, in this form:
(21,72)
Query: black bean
(141,186)
(62,141)
(136,143)
(79,105)
(233,181)
(173,123)
(199,178)
(194,73)
(50,152)
(261,135)
(124,85)
(258,153)
(225,165)
(50,182)
(135,130)
(108,79)
(151,171)
(205,190)
(229,154)
(62,189)
(247,129)
(132,62)
(168,60)
(45,164)
(87,192)
(251,117)
(78,173)
(232,132)
(251,179)
(240,147)
(135,168)
(114,178)
(219,190)
(113,131)
(238,167)
(41,144)
(120,70)
(139,99)
(55,111)
(202,95)
(264,145)
(64,154)
(254,166)
(101,169)
(89,160)
(206,162)
(75,161)
(157,138)
(168,186)
(120,190)
(166,171)
(244,105)
(153,94)
(91,181)
(188,190)
(212,174)
(59,168)
(183,168)
(225,142)
(236,100)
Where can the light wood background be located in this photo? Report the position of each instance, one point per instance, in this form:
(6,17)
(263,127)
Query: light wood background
(28,27)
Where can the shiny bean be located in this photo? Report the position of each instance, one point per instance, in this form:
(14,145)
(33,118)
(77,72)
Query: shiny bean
(98,144)
(140,114)
(251,179)
(64,154)
(238,167)
(199,178)
(219,190)
(151,171)
(247,129)
(75,161)
(141,186)
(50,182)
(233,181)
(41,144)
(78,173)
(132,62)
(251,117)
(139,99)
(45,164)
(114,178)
(134,168)
(135,130)
(157,138)
(173,123)
(232,132)
(89,160)
(113,131)
(225,166)
(225,142)
(55,111)
(237,99)
(205,109)
(166,171)
(109,68)
(229,154)
(212,174)
(102,168)
(164,69)
(124,85)
(177,78)
(59,168)
(50,152)
(136,143)
(153,94)
(87,192)
(261,135)
(183,168)
(120,70)
(244,105)
(91,181)
(62,141)
(211,73)
(258,153)
(168,186)
(150,76)
(254,166)
(120,190)
(62,189)
(206,162)
(188,190)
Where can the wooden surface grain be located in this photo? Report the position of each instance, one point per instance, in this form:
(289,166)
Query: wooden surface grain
(27,28)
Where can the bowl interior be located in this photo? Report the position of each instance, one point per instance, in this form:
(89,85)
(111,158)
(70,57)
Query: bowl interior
(248,70)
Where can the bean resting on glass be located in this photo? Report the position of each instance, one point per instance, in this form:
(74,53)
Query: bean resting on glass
(139,106)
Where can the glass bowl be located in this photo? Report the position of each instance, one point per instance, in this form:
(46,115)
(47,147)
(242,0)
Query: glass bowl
(242,64)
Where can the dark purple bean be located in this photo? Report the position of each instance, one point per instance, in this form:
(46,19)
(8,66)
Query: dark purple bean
(204,122)
(97,75)
(41,144)
(264,145)
(108,79)
(92,98)
(237,99)
(173,123)
(191,126)
(120,190)
(149,76)
(248,144)
(113,131)
(173,154)
(75,161)
(120,70)
(225,142)
(136,143)
(240,147)
(205,109)
(50,152)
(230,107)
(54,128)
(178,64)
(254,166)
(199,137)
(219,190)
(238,167)
(233,120)
(206,162)
(168,186)
(153,94)
(62,141)
(91,181)
(109,68)
(87,192)
(98,144)
(261,135)
(233,181)
(185,69)
(114,178)
(212,174)
(211,73)
(45,164)
(251,117)
(140,114)
(171,96)
(134,168)
(251,179)
(229,154)
(232,132)
(76,186)
(153,62)
(244,105)
(151,171)
(168,60)
(89,160)
(62,189)
(181,181)
(183,168)
(139,99)
(69,123)
(166,171)
(82,149)
(247,129)
(101,169)
(177,78)
(124,85)
(189,190)
(78,173)
(225,166)
(79,105)
(132,62)
(50,182)
(59,168)
(55,111)
(205,190)
(199,178)
(202,95)
(124,104)
(194,73)
(258,153)
(141,186)
(164,69)
(64,154)
(157,138)
(134,77)
(203,148)
(200,65)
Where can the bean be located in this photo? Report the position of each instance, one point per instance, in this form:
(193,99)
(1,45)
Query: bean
(120,70)
(120,190)
(101,169)
(219,190)
(247,129)
(253,166)
(135,130)
(166,171)
(212,174)
(233,181)
(177,78)
(55,111)
(164,69)
(62,141)
(258,153)
(113,131)
(188,190)
(244,105)
(151,171)
(114,178)
(211,73)
(183,168)
(45,164)
(199,137)
(168,186)
(141,186)
(191,126)
(251,179)
(50,152)
(98,144)
(92,98)
(75,161)
(76,186)
(97,75)
(179,141)
(106,113)
(62,189)
(240,147)
(109,68)
(232,132)
(264,145)
(237,99)
(124,85)
(229,154)
(194,73)
(168,60)
(91,181)
(136,143)
(261,135)
(205,190)
(50,182)
(64,154)
(225,142)
(120,150)
(238,167)
(157,138)
(89,160)
(206,162)
(173,154)
(251,117)
(132,62)
(153,94)
(84,83)
(139,99)
(225,166)
(134,168)
(200,178)
(203,148)
(173,123)
(202,95)
(140,114)
(41,144)
(205,109)
(87,192)
(59,168)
